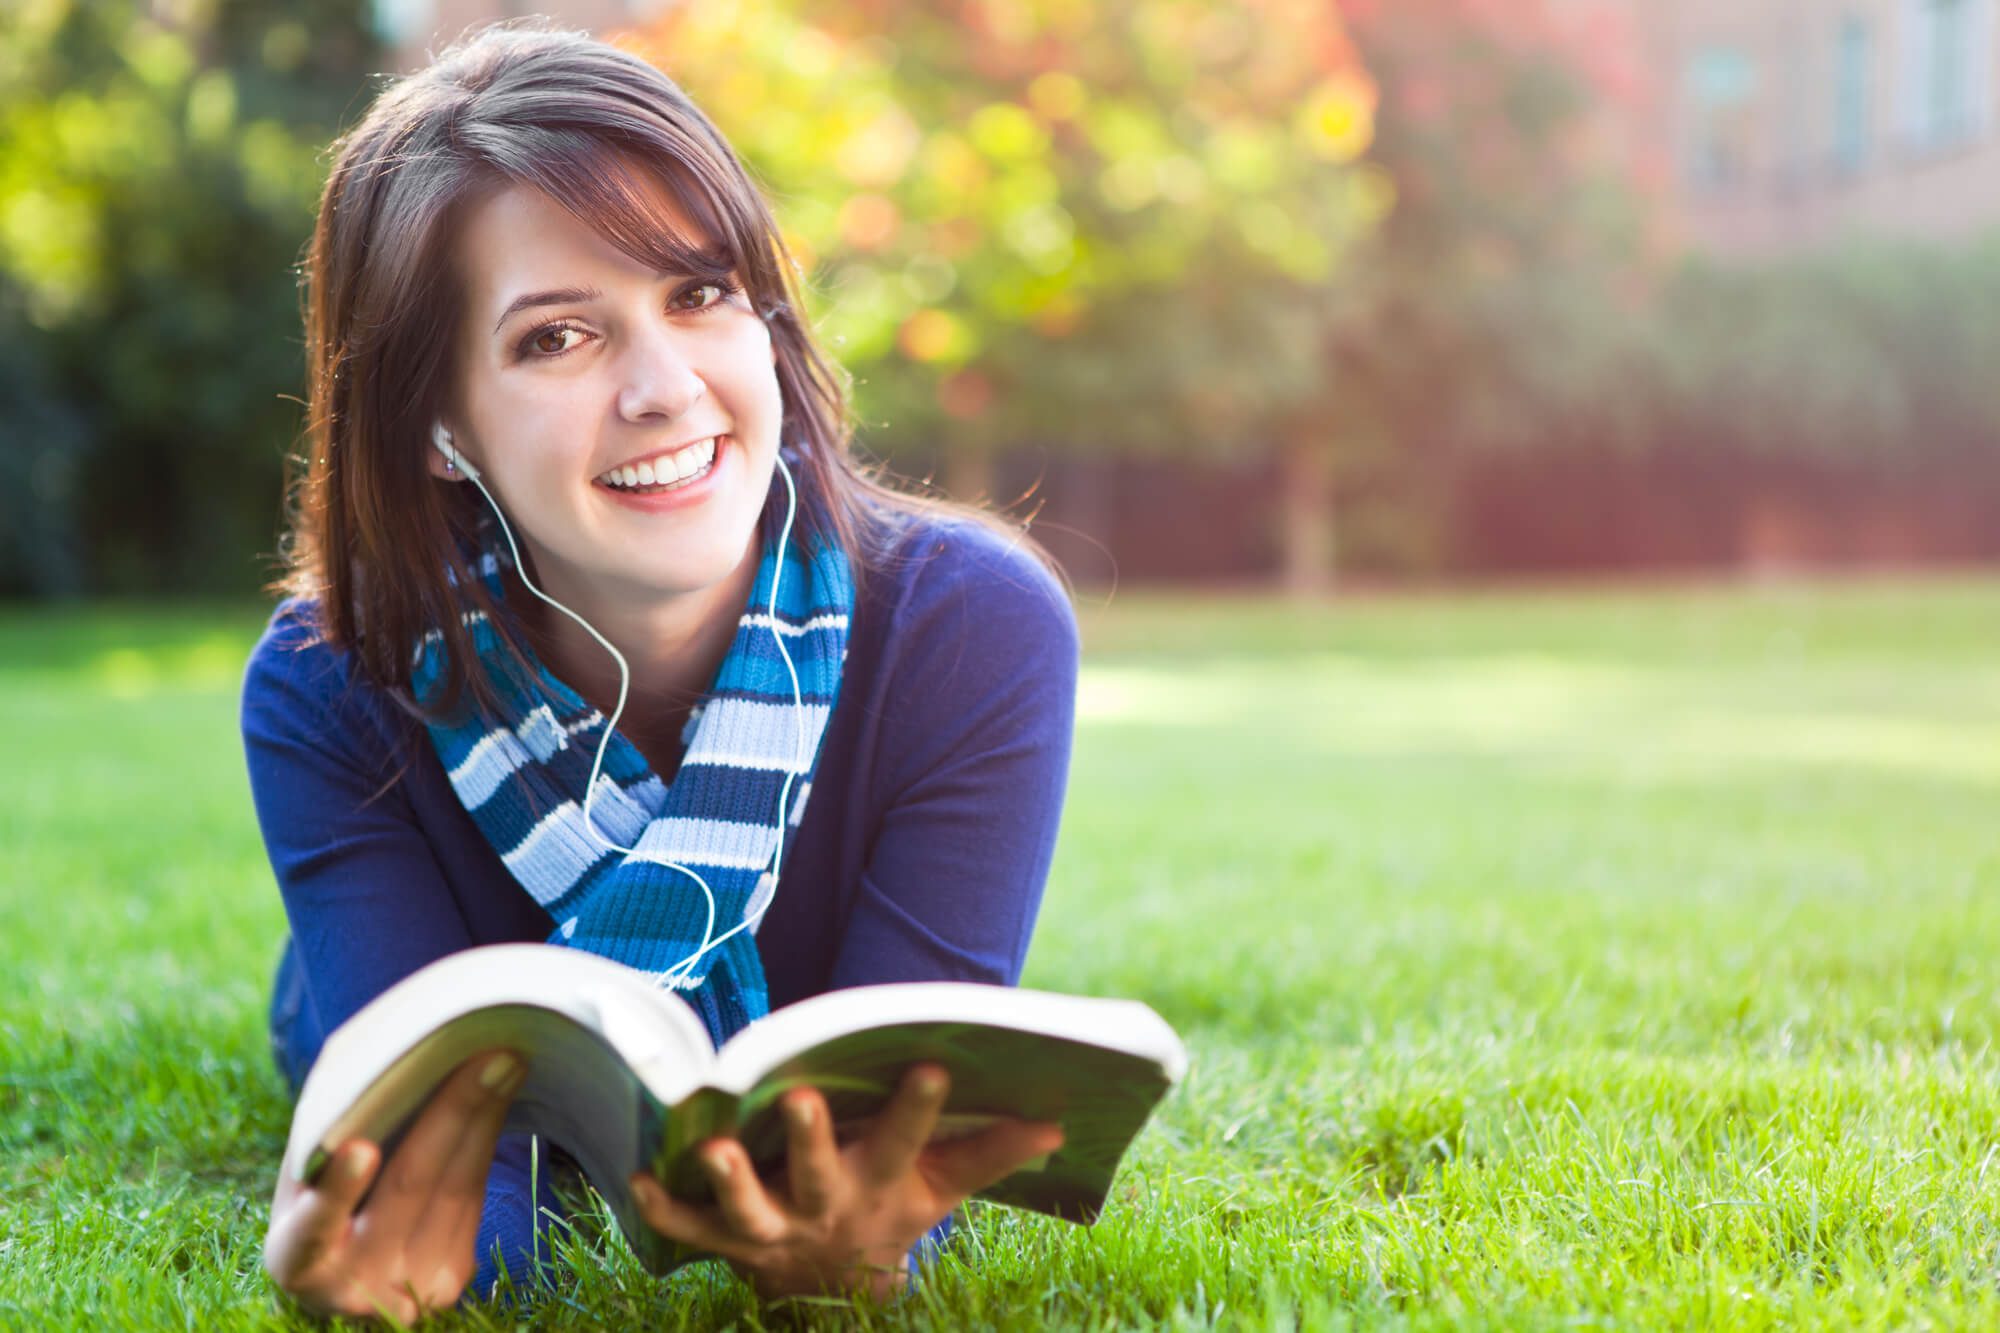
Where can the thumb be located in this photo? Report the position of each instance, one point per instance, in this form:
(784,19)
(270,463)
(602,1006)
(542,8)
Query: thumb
(966,1166)
(316,1220)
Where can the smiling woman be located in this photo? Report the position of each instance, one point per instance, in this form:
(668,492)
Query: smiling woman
(585,597)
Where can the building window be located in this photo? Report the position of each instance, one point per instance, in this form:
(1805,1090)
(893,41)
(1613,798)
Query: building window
(1850,93)
(1721,91)
(1948,56)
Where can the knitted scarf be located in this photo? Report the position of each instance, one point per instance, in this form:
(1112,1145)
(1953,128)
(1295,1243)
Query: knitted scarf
(521,776)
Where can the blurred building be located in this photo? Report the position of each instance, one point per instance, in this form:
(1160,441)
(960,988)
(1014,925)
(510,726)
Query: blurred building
(1790,122)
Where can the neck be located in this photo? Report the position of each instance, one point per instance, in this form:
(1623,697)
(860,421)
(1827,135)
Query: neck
(673,645)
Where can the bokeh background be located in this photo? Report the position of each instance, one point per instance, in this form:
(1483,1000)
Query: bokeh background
(1241,292)
(1467,423)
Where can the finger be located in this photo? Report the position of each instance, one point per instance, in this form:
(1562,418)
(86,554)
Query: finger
(436,1286)
(354,1299)
(400,1307)
(450,1224)
(740,1196)
(315,1219)
(966,1166)
(905,1125)
(690,1224)
(412,1175)
(812,1158)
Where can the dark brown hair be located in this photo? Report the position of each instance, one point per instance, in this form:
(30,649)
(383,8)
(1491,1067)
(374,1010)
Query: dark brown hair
(376,541)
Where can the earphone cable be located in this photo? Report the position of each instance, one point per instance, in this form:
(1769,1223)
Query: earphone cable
(678,973)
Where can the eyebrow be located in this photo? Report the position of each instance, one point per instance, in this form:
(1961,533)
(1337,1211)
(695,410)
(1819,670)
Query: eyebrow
(554,296)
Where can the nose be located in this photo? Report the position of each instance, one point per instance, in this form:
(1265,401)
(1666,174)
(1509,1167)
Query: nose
(659,378)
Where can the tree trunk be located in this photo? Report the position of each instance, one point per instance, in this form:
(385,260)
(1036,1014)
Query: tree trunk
(1305,510)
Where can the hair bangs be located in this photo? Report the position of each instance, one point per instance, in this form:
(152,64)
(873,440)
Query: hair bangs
(624,199)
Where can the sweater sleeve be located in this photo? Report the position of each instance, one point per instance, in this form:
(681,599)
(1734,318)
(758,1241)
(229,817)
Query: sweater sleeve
(366,896)
(980,702)
(367,901)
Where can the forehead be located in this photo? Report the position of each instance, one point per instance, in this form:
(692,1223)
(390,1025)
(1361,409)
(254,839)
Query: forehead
(516,238)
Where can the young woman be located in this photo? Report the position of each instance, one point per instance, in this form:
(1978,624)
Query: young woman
(596,634)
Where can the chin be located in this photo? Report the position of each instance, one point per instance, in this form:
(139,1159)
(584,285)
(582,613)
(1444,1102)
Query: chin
(688,572)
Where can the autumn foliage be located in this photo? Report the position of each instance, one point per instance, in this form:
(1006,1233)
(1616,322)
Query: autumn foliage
(975,188)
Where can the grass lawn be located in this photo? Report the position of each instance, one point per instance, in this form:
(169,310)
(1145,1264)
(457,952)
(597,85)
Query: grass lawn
(1616,958)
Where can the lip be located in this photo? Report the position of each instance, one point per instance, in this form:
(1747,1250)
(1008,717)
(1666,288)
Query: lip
(691,494)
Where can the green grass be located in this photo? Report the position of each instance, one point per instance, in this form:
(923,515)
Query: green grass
(1584,958)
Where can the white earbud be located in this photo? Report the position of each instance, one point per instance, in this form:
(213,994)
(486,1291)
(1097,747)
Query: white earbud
(441,440)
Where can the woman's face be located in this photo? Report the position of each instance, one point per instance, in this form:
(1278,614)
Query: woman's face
(626,420)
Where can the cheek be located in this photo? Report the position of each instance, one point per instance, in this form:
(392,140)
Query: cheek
(754,381)
(537,419)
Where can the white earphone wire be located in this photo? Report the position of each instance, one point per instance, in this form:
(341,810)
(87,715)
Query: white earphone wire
(677,974)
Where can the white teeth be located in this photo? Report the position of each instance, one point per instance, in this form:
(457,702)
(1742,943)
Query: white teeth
(672,470)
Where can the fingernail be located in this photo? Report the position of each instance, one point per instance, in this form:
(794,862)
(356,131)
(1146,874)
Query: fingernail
(799,1111)
(498,1070)
(646,1192)
(931,1082)
(718,1161)
(354,1164)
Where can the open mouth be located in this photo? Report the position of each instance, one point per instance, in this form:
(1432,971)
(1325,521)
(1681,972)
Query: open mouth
(667,472)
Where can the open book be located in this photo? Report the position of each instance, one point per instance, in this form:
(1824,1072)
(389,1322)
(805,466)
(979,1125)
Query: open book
(623,1077)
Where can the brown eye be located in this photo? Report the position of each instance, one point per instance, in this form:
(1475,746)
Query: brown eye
(698,303)
(537,342)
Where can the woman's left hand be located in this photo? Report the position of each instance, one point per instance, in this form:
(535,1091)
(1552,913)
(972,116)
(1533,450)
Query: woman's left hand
(843,1219)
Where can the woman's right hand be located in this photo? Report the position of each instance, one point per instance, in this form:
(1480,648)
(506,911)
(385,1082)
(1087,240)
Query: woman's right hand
(410,1250)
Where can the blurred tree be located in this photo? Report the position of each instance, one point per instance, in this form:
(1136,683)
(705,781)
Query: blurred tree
(1870,360)
(1495,305)
(158,170)
(1087,223)
(41,440)
(1873,353)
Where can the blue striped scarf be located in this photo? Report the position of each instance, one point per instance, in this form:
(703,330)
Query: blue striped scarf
(522,775)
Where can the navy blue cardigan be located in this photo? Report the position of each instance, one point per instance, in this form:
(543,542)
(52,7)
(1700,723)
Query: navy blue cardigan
(922,855)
